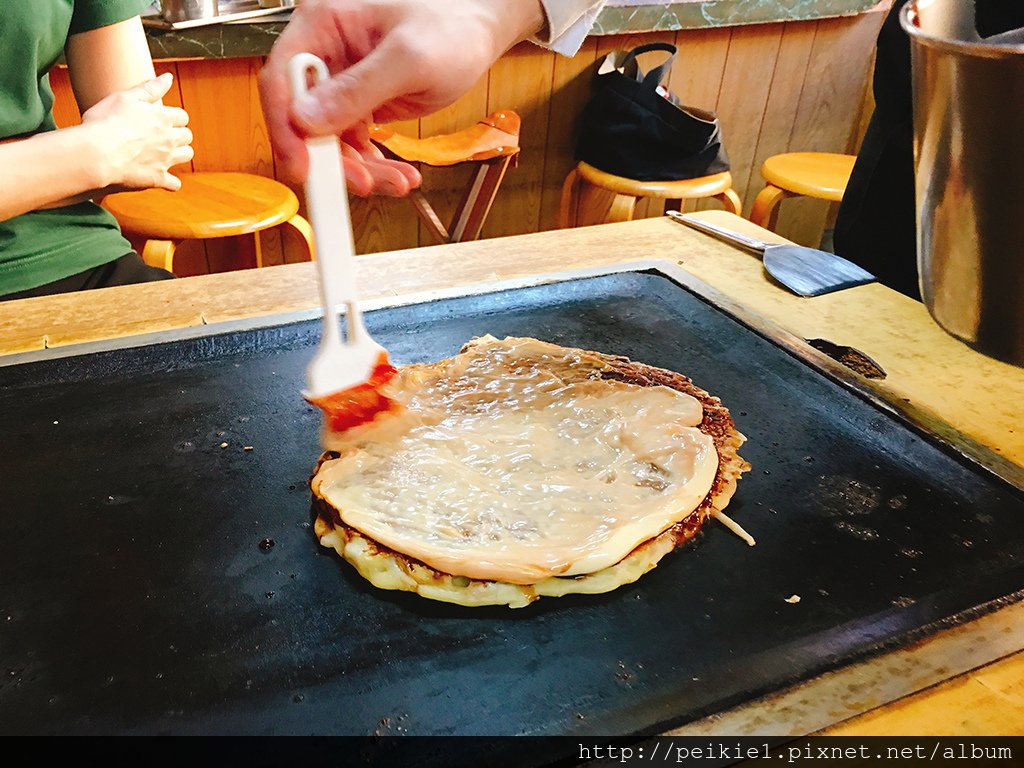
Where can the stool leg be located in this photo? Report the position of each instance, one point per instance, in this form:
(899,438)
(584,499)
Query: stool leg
(731,201)
(476,203)
(599,206)
(570,201)
(429,216)
(305,231)
(622,209)
(258,248)
(766,206)
(159,253)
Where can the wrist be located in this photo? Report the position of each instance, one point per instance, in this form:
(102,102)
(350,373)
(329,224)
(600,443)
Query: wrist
(517,20)
(93,163)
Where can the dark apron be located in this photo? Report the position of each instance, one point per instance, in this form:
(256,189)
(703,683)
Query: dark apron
(876,227)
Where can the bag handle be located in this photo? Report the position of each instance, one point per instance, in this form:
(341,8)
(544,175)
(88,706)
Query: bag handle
(653,78)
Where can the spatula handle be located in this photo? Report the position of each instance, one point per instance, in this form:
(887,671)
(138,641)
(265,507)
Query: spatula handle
(749,243)
(327,203)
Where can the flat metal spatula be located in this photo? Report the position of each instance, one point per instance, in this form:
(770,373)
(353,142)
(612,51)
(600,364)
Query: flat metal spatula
(346,373)
(804,271)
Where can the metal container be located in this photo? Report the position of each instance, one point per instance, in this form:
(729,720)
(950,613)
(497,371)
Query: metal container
(969,160)
(188,10)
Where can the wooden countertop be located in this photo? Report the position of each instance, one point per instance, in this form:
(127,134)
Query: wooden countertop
(965,398)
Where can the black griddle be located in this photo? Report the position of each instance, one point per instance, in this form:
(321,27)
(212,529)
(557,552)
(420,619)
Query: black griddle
(135,596)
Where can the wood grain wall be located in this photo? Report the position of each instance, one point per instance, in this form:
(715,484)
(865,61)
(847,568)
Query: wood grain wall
(776,87)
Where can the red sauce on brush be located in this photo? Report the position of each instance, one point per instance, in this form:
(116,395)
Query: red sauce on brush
(351,407)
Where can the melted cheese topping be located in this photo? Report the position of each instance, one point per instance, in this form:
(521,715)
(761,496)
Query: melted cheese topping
(512,462)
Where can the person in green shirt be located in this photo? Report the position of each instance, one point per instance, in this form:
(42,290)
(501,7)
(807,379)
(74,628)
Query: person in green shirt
(53,237)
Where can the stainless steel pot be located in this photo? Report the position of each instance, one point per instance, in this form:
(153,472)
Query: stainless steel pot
(188,10)
(969,159)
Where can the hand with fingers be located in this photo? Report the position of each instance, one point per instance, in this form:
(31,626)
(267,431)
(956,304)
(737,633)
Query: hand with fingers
(138,139)
(389,60)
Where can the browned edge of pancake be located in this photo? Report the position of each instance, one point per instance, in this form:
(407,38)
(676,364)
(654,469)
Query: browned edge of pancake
(328,519)
(717,424)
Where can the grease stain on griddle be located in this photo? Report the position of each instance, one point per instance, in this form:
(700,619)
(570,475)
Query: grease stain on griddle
(625,676)
(861,532)
(267,544)
(840,496)
(392,726)
(899,501)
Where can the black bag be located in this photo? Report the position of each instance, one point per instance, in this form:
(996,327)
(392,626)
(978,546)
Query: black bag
(632,127)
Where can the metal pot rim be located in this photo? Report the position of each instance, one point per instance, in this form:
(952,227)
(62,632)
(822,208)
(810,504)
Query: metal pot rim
(908,20)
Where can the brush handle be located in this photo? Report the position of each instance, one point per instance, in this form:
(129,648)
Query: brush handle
(327,204)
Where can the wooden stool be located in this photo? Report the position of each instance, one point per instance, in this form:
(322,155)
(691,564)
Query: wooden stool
(207,205)
(585,182)
(808,174)
(493,143)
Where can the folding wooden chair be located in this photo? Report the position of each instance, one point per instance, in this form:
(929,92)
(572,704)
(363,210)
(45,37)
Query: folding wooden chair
(492,144)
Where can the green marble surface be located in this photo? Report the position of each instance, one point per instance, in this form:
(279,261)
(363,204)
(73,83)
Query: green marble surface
(223,41)
(217,41)
(719,13)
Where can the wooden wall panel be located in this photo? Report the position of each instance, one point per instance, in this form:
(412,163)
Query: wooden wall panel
(697,78)
(777,88)
(787,85)
(223,102)
(444,187)
(829,111)
(570,89)
(522,81)
(697,75)
(386,223)
(743,97)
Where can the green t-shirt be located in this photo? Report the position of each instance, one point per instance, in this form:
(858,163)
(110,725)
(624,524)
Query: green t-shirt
(42,246)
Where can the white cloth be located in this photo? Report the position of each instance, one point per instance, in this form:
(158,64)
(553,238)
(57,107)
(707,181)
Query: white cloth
(569,23)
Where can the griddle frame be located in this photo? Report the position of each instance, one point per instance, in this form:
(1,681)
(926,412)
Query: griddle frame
(812,705)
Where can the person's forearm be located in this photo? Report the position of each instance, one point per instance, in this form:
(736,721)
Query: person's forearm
(57,167)
(106,60)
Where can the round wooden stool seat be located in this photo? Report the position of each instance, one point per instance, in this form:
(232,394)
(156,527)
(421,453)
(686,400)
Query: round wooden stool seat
(207,205)
(813,174)
(578,198)
(686,189)
(821,175)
